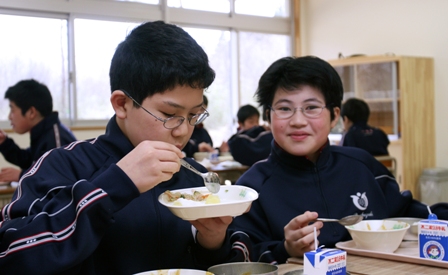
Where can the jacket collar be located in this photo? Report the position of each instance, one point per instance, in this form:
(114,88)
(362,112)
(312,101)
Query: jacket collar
(44,126)
(115,140)
(300,162)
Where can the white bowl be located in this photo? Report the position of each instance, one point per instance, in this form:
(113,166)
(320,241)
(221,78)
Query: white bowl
(244,268)
(177,271)
(199,156)
(378,235)
(234,201)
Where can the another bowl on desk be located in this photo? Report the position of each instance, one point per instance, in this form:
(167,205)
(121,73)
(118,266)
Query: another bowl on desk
(378,235)
(412,233)
(244,268)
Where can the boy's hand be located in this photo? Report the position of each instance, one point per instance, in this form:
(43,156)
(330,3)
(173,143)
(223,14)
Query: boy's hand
(150,163)
(2,136)
(9,174)
(205,147)
(224,147)
(212,231)
(299,234)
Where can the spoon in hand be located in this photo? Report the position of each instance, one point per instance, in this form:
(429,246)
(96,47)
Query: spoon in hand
(348,220)
(211,179)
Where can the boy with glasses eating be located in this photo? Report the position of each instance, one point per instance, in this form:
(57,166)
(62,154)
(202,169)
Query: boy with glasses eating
(92,207)
(304,177)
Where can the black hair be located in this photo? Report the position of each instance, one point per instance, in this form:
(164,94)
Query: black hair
(245,112)
(355,110)
(290,73)
(205,100)
(30,93)
(156,57)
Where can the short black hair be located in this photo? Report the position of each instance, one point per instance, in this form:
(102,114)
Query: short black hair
(289,73)
(245,112)
(156,57)
(30,93)
(205,100)
(356,110)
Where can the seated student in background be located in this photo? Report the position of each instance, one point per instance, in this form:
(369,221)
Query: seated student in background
(31,110)
(355,114)
(92,207)
(304,177)
(252,142)
(200,140)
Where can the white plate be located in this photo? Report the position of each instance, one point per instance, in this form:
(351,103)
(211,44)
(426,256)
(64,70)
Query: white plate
(234,201)
(175,272)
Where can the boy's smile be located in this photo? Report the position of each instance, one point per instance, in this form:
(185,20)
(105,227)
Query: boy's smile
(300,135)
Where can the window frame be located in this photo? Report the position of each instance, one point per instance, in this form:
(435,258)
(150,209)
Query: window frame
(139,12)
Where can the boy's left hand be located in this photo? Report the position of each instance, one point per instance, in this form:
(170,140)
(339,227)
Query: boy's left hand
(212,231)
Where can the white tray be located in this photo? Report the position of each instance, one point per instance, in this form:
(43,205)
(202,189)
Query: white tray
(407,252)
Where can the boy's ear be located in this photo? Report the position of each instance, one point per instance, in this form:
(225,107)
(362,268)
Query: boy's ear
(118,100)
(32,113)
(337,114)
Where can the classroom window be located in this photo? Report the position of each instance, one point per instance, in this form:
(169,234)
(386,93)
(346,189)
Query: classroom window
(222,6)
(34,47)
(71,51)
(267,8)
(92,58)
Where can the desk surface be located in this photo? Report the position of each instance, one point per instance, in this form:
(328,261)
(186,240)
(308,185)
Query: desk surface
(7,190)
(359,265)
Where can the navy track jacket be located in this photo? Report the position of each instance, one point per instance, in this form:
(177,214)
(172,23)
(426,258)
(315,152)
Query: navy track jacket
(76,212)
(344,181)
(49,133)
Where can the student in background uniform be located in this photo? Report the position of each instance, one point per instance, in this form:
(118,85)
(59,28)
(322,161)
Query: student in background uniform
(252,142)
(355,114)
(31,110)
(200,140)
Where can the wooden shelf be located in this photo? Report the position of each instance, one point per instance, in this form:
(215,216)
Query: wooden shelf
(413,83)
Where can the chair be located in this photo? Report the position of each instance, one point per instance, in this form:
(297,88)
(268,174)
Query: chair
(390,163)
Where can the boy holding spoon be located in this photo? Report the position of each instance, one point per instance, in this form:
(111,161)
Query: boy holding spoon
(92,207)
(304,177)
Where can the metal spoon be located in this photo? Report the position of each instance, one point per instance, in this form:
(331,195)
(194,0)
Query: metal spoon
(348,220)
(211,179)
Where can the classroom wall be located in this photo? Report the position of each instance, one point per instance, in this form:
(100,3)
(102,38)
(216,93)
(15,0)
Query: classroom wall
(377,27)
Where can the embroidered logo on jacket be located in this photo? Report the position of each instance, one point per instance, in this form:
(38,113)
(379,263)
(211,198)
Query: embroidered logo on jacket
(360,201)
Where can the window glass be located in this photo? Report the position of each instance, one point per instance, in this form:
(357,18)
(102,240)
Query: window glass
(267,8)
(222,6)
(93,54)
(216,43)
(257,52)
(34,47)
(154,2)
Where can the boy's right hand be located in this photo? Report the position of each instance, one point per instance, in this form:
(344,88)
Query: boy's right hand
(9,174)
(2,136)
(299,234)
(150,163)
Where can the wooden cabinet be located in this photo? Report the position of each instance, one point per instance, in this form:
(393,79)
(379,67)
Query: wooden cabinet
(400,94)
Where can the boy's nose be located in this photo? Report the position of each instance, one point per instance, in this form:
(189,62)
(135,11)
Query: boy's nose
(298,118)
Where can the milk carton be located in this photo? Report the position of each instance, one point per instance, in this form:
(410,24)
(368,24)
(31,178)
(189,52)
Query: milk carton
(325,262)
(433,238)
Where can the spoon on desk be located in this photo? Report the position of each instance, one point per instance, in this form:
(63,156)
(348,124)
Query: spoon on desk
(348,220)
(211,179)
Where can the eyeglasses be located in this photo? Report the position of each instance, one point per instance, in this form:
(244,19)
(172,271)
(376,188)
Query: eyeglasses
(174,121)
(309,111)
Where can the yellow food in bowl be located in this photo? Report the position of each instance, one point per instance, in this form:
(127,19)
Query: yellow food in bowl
(212,199)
